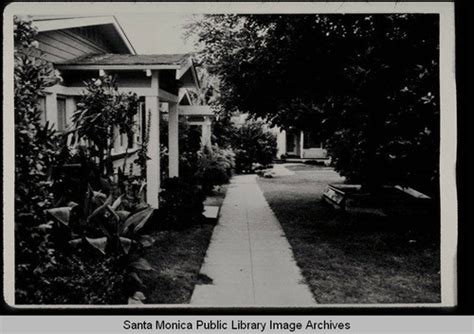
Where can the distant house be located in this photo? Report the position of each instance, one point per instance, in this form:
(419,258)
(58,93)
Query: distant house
(299,144)
(82,48)
(292,143)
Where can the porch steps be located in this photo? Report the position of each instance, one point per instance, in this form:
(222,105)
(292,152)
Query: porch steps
(211,213)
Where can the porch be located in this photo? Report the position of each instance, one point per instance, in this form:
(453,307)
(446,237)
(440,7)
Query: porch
(157,80)
(300,146)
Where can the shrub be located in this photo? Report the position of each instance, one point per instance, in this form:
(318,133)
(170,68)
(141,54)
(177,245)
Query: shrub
(102,110)
(189,146)
(142,153)
(214,167)
(36,147)
(252,143)
(73,177)
(181,204)
(98,233)
(78,280)
(223,129)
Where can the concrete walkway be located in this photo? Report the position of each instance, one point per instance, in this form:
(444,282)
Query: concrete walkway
(249,259)
(281,170)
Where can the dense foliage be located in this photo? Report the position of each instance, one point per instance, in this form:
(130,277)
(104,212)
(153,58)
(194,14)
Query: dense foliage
(253,143)
(189,142)
(223,129)
(214,167)
(72,244)
(35,143)
(181,203)
(367,83)
(35,154)
(102,114)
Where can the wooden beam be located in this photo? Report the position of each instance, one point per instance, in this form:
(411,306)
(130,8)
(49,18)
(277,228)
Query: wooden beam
(167,97)
(87,67)
(173,140)
(77,91)
(152,104)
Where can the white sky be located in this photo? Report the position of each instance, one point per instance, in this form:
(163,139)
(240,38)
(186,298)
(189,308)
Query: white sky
(158,33)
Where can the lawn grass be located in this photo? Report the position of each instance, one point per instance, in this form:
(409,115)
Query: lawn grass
(177,257)
(354,259)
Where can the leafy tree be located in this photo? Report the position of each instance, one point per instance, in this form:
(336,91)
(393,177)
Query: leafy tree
(101,110)
(367,83)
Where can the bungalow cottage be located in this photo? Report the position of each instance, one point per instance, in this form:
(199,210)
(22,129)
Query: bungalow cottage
(299,144)
(82,48)
(293,143)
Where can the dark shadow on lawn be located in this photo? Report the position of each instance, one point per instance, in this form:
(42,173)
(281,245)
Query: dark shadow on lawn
(176,257)
(355,258)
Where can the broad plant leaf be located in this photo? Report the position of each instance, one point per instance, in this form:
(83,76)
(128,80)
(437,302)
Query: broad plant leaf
(117,202)
(146,241)
(98,198)
(137,278)
(141,264)
(132,301)
(98,243)
(60,215)
(126,244)
(123,214)
(139,295)
(113,213)
(142,189)
(100,209)
(45,227)
(76,242)
(137,220)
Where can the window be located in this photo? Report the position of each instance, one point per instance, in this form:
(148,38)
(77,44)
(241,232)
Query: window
(121,135)
(62,117)
(130,141)
(42,108)
(311,140)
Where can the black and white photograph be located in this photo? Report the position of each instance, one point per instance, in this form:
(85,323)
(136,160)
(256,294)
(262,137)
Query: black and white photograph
(219,156)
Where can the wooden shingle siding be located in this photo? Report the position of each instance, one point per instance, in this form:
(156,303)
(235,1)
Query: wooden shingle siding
(64,45)
(100,46)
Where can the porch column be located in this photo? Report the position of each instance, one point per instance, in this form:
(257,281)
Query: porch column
(281,142)
(153,164)
(301,144)
(173,140)
(206,132)
(52,109)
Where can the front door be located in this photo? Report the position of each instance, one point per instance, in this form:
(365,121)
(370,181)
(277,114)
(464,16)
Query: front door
(291,147)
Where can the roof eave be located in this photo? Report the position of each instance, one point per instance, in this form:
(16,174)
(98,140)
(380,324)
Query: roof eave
(85,67)
(189,65)
(76,22)
(124,36)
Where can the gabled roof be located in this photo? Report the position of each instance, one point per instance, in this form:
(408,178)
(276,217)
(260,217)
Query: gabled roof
(184,98)
(110,59)
(182,63)
(110,24)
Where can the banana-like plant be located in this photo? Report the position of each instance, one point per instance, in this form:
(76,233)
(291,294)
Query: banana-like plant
(99,224)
